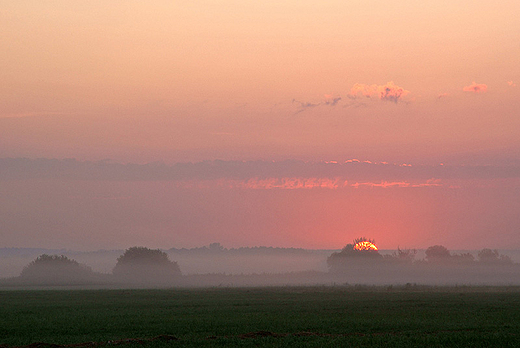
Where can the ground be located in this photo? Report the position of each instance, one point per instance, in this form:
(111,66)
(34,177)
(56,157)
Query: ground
(281,316)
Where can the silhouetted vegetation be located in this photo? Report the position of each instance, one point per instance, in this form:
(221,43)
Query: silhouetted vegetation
(488,256)
(357,263)
(402,256)
(352,254)
(364,262)
(140,264)
(56,269)
(437,253)
(440,254)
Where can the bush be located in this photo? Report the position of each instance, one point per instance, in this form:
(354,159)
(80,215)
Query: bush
(352,255)
(56,269)
(140,264)
(437,253)
(402,256)
(488,256)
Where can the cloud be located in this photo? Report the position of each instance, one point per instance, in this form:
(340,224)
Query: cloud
(298,183)
(387,184)
(331,100)
(389,92)
(476,88)
(511,83)
(353,170)
(304,105)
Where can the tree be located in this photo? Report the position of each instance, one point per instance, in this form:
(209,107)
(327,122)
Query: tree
(403,255)
(216,247)
(488,256)
(141,264)
(359,253)
(464,258)
(437,253)
(56,269)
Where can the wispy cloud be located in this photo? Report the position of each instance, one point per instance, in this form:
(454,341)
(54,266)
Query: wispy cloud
(302,106)
(298,183)
(330,100)
(476,88)
(308,174)
(390,184)
(511,83)
(388,92)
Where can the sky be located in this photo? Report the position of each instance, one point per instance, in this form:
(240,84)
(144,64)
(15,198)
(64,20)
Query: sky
(432,83)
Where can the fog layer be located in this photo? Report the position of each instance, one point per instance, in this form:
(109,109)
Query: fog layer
(259,267)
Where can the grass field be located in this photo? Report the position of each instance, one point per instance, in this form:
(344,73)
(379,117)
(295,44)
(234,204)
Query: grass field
(277,317)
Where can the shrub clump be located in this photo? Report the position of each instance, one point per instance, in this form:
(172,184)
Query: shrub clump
(143,265)
(353,255)
(56,269)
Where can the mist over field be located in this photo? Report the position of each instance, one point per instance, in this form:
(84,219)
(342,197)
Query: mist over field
(261,266)
(201,261)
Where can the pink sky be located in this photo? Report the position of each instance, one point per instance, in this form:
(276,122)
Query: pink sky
(201,80)
(138,82)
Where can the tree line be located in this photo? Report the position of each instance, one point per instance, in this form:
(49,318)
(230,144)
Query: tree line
(141,265)
(135,265)
(437,255)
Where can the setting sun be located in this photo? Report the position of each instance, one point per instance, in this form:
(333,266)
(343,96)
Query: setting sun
(365,245)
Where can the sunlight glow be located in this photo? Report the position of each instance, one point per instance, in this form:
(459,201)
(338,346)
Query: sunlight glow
(365,245)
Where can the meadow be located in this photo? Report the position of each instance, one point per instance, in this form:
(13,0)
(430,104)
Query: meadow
(361,316)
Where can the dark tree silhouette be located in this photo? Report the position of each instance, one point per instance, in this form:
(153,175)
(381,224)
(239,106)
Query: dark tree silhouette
(488,256)
(53,269)
(349,255)
(402,255)
(463,258)
(146,265)
(437,253)
(216,247)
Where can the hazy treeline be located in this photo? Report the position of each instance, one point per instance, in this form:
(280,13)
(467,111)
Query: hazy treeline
(143,267)
(436,255)
(137,265)
(361,262)
(198,260)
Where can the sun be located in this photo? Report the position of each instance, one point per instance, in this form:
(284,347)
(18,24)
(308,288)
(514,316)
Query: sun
(365,245)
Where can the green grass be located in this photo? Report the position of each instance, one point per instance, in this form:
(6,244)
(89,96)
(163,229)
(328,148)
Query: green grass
(362,317)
